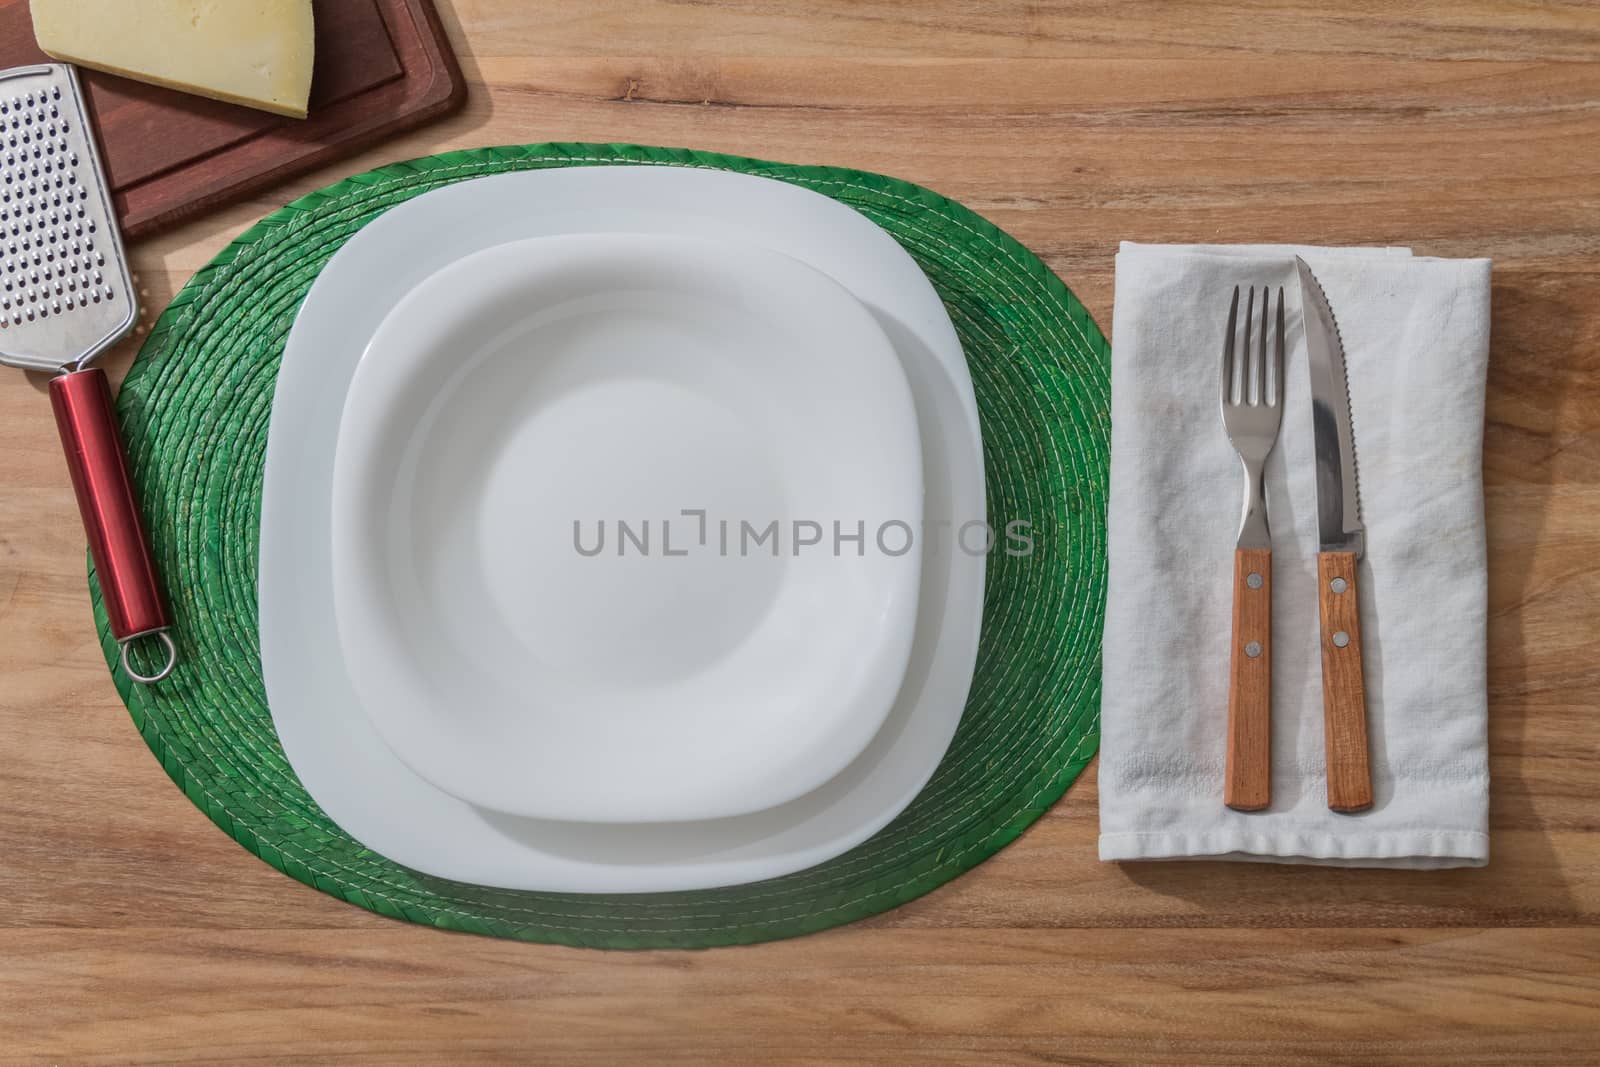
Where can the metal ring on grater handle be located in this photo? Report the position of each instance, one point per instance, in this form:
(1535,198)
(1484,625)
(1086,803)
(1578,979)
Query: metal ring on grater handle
(170,662)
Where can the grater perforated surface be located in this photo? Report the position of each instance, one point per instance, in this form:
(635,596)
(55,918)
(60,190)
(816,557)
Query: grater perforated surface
(65,294)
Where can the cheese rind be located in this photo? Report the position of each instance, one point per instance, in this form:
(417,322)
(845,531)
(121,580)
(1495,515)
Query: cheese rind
(253,52)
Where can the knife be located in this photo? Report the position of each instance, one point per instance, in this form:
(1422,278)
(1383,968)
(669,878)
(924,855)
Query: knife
(1342,542)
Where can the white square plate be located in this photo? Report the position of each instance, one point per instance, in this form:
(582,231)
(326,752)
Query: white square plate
(329,739)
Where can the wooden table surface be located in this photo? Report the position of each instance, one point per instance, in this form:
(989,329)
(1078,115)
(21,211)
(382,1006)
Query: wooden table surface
(132,929)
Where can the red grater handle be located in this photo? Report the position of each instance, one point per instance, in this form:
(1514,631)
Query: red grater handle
(99,468)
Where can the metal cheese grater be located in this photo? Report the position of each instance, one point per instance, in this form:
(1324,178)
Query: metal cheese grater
(65,297)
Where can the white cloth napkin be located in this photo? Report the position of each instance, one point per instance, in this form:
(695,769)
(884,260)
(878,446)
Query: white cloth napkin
(1416,338)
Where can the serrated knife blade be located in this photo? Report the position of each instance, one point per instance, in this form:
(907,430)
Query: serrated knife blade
(1339,525)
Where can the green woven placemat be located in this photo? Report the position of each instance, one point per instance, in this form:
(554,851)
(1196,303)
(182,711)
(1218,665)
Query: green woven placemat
(195,408)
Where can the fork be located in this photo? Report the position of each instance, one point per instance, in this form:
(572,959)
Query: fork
(1252,408)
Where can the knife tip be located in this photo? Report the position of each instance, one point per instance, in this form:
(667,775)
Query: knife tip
(1303,273)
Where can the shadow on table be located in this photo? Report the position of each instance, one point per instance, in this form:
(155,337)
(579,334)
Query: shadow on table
(479,110)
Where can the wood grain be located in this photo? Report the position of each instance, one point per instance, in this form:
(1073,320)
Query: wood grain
(1247,783)
(1344,687)
(133,930)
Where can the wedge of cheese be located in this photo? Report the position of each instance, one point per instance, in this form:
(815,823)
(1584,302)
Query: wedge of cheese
(252,52)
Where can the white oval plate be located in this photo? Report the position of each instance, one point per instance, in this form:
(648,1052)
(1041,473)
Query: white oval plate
(683,387)
(333,747)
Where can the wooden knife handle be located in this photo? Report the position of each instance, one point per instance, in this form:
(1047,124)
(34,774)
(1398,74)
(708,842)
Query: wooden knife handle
(1344,693)
(1248,782)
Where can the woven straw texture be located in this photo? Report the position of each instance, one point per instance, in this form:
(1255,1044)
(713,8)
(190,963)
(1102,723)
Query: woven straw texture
(195,408)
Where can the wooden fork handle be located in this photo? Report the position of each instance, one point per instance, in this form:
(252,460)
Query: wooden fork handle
(1248,782)
(1344,695)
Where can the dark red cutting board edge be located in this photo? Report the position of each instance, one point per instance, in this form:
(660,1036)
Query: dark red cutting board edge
(407,75)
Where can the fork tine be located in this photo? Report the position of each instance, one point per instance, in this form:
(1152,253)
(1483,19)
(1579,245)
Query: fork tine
(1227,350)
(1259,377)
(1277,362)
(1247,365)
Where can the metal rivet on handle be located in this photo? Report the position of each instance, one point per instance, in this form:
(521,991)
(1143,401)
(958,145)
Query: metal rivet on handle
(1340,638)
(1338,585)
(1253,580)
(1253,649)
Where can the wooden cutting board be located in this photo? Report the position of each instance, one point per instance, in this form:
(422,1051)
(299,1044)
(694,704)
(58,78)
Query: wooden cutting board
(382,66)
